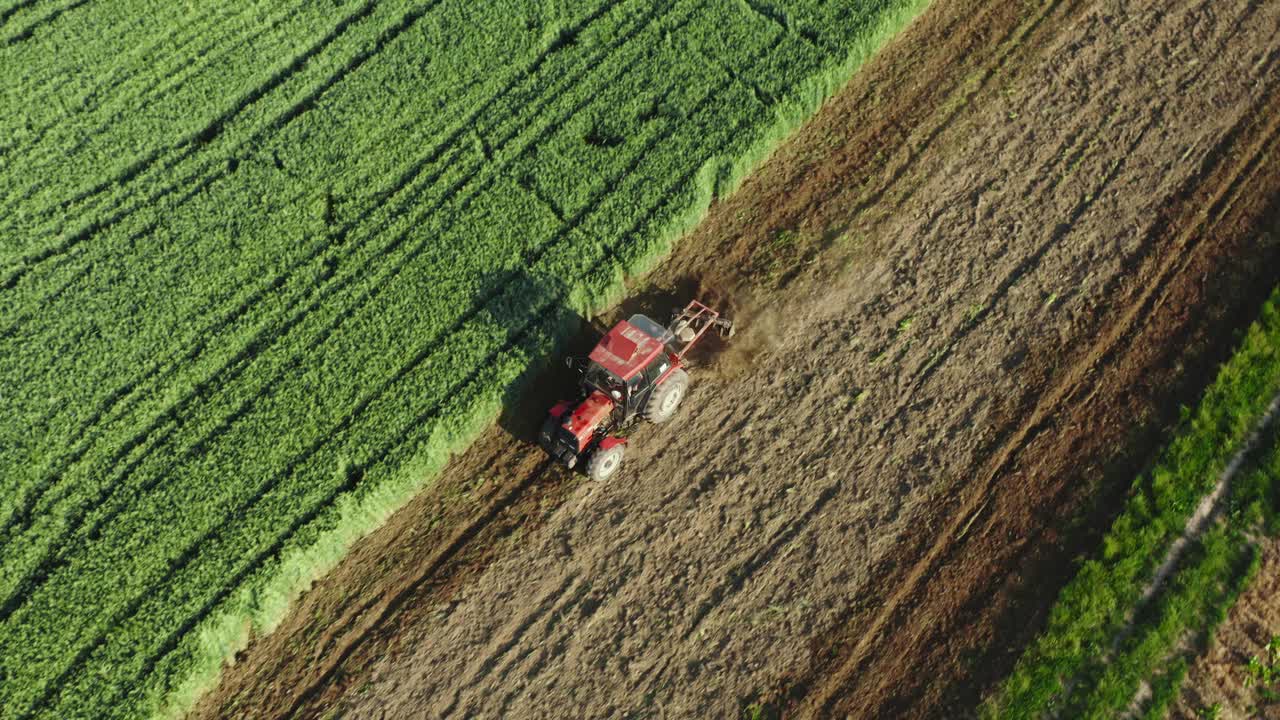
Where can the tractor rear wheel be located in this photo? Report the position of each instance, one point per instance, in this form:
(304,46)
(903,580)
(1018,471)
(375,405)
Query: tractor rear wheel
(604,464)
(666,397)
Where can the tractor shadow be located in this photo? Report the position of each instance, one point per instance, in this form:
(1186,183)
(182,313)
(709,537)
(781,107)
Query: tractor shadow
(514,298)
(543,384)
(656,301)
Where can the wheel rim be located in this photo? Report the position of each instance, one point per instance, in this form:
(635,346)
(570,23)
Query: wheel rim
(669,403)
(609,465)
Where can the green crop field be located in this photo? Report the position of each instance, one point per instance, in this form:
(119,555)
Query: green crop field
(265,264)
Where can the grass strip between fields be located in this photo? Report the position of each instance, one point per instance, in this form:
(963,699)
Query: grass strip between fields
(1107,652)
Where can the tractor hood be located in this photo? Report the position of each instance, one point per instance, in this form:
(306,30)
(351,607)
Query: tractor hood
(584,420)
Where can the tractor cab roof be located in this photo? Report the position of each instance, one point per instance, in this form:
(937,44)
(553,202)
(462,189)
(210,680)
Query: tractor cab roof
(630,346)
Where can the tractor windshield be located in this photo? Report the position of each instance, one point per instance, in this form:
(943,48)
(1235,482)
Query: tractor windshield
(650,327)
(603,380)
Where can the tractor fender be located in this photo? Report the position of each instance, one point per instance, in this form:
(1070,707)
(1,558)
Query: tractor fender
(612,442)
(676,364)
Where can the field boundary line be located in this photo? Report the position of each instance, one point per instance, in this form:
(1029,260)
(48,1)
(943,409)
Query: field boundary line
(536,315)
(388,605)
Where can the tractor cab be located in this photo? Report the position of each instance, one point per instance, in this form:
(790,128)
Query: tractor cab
(629,362)
(637,369)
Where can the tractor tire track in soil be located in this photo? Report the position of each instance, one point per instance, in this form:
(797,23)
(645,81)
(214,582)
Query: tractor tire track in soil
(973,292)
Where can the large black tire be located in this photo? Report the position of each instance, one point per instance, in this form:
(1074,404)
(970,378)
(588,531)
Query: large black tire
(664,401)
(604,464)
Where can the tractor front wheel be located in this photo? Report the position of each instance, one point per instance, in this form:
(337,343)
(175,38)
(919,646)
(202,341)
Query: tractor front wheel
(604,464)
(666,397)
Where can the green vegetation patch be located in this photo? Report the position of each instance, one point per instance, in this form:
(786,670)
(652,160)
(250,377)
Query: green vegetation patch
(1101,643)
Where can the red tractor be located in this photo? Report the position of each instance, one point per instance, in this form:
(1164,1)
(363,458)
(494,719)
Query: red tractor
(638,369)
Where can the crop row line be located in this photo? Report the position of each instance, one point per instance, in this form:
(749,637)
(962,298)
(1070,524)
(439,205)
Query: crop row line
(195,186)
(533,317)
(41,90)
(104,497)
(402,183)
(106,493)
(261,291)
(15,9)
(338,284)
(397,372)
(1092,616)
(150,85)
(1099,357)
(184,148)
(780,17)
(275,282)
(27,32)
(1173,264)
(221,170)
(34,308)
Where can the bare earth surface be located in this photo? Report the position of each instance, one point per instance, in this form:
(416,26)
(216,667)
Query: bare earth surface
(1218,676)
(973,292)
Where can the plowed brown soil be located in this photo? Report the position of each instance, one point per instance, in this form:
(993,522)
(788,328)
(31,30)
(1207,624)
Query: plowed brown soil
(973,292)
(1218,676)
